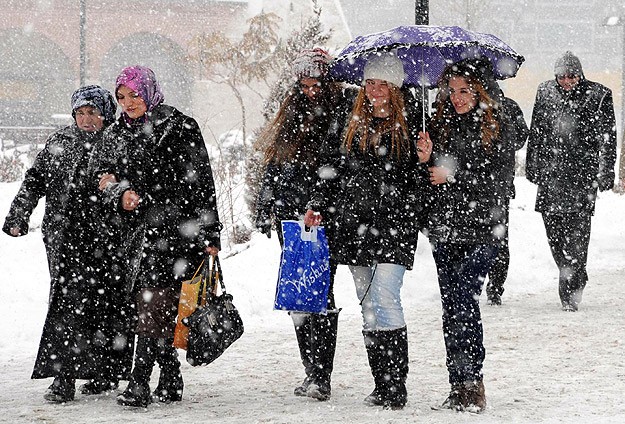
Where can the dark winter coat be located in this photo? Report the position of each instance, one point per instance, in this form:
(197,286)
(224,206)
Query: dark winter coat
(285,191)
(572,146)
(516,132)
(165,161)
(378,203)
(86,305)
(286,187)
(52,173)
(471,209)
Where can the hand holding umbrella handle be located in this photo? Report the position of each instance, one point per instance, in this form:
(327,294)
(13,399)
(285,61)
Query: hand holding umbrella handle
(424,147)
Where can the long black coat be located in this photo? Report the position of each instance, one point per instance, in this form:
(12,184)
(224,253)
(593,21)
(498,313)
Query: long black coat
(377,205)
(572,146)
(516,131)
(50,176)
(165,161)
(472,209)
(88,310)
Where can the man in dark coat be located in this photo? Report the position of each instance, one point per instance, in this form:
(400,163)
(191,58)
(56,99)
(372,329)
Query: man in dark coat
(571,153)
(516,133)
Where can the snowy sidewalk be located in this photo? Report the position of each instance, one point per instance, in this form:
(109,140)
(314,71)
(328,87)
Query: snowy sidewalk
(543,365)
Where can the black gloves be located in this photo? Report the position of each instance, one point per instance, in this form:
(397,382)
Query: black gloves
(606,182)
(264,226)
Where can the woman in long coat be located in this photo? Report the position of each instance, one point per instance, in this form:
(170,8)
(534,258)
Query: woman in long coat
(75,231)
(379,181)
(466,223)
(155,165)
(291,145)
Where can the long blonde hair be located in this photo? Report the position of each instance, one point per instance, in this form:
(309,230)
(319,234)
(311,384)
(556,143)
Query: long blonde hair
(369,138)
(489,127)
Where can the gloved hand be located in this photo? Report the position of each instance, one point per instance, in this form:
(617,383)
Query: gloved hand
(264,226)
(606,182)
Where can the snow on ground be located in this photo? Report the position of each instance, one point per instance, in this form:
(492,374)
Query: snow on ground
(542,365)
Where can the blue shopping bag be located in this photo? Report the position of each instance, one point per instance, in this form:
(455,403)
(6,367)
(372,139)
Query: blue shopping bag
(304,277)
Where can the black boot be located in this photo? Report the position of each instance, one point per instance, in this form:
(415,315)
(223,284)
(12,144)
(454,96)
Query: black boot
(61,390)
(98,386)
(170,384)
(303,332)
(137,393)
(388,358)
(323,343)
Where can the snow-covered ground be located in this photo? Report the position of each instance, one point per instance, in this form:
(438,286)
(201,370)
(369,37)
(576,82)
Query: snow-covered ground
(542,364)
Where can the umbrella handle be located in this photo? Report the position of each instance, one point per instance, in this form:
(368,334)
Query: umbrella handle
(423,98)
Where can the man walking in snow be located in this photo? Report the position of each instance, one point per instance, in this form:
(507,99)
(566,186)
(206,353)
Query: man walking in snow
(570,154)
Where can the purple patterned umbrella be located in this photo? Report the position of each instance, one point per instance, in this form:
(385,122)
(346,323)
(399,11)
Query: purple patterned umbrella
(425,51)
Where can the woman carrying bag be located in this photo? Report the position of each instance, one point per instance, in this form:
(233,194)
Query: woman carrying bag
(291,144)
(378,177)
(155,166)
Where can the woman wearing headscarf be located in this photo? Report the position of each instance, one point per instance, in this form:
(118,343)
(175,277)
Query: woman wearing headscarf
(70,346)
(379,181)
(467,219)
(291,144)
(154,168)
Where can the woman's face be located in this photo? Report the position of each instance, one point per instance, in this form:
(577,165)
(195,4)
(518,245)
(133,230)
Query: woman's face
(89,119)
(462,96)
(378,92)
(132,105)
(310,87)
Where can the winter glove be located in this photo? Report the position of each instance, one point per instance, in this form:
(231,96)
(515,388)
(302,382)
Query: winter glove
(606,182)
(264,226)
(10,225)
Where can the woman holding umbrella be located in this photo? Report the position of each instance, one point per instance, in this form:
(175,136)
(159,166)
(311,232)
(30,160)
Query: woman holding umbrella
(466,223)
(377,175)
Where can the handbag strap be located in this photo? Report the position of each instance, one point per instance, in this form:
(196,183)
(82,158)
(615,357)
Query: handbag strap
(220,274)
(205,275)
(209,277)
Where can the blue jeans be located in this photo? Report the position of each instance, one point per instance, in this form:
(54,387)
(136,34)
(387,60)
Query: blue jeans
(378,289)
(462,269)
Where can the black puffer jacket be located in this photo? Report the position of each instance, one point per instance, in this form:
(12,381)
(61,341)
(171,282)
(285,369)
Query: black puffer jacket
(470,210)
(378,202)
(572,146)
(165,161)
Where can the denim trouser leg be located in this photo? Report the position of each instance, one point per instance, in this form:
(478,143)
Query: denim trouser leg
(381,303)
(461,273)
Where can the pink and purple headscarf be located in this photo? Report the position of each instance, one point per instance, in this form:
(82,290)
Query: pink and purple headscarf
(142,81)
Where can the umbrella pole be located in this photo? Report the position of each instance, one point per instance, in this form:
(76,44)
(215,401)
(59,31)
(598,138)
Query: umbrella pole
(423,98)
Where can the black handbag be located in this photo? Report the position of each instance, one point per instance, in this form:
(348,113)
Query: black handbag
(214,326)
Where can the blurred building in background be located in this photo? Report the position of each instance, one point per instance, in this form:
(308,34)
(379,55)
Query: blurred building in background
(40,50)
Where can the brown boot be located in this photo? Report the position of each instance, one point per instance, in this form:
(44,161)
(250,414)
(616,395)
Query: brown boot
(473,397)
